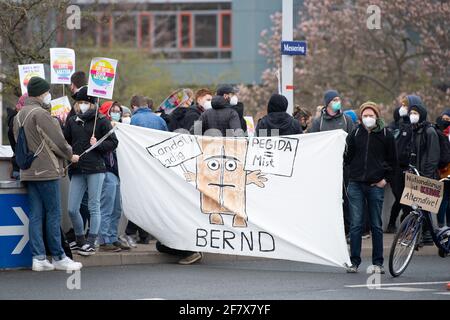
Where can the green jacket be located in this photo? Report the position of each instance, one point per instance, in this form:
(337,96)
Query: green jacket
(44,138)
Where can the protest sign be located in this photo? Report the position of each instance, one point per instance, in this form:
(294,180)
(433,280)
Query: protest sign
(102,74)
(28,71)
(62,65)
(424,192)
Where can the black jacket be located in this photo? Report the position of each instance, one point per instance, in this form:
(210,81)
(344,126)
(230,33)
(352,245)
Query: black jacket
(221,117)
(11,113)
(425,146)
(370,157)
(183,118)
(78,132)
(284,122)
(239,108)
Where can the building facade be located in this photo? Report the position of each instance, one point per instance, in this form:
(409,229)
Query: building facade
(197,41)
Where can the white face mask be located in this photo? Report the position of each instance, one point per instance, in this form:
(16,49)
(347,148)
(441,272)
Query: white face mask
(84,107)
(234,100)
(403,111)
(207,105)
(414,118)
(126,120)
(47,98)
(369,122)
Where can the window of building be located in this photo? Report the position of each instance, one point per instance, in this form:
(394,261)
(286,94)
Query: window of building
(165,31)
(205,30)
(144,30)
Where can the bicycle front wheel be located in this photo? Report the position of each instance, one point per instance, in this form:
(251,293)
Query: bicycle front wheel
(404,243)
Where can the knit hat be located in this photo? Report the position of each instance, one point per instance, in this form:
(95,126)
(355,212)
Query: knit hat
(82,95)
(277,103)
(329,95)
(446,112)
(37,86)
(225,89)
(105,108)
(370,105)
(352,114)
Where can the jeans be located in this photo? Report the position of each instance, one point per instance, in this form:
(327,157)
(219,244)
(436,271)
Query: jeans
(45,206)
(111,209)
(78,185)
(358,193)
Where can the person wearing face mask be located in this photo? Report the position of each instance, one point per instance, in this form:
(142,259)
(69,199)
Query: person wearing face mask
(419,146)
(110,201)
(202,102)
(230,95)
(89,173)
(126,115)
(371,159)
(443,125)
(78,87)
(332,117)
(45,139)
(399,127)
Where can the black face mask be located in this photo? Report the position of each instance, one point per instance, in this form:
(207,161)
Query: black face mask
(304,127)
(442,124)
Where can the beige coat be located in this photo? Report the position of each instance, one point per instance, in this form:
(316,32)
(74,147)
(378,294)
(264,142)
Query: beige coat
(44,137)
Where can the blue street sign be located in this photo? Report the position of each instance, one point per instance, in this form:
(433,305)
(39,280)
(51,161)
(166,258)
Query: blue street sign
(14,237)
(293,48)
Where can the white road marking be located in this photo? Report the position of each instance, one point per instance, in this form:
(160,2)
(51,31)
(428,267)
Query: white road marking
(443,293)
(396,284)
(406,289)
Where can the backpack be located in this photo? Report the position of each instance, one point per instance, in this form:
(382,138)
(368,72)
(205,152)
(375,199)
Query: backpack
(24,158)
(444,146)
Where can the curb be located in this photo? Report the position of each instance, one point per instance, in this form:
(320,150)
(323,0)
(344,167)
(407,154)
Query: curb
(147,254)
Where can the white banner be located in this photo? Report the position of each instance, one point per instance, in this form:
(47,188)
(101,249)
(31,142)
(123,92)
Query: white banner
(62,65)
(102,75)
(202,193)
(28,71)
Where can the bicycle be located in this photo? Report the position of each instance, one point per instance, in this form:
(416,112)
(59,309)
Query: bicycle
(406,240)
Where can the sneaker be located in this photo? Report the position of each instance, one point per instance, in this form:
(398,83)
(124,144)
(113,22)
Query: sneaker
(352,269)
(378,269)
(129,240)
(86,250)
(109,247)
(191,258)
(67,264)
(366,236)
(121,245)
(391,229)
(74,247)
(42,265)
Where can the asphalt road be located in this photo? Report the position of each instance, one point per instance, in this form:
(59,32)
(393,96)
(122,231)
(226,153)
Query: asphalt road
(425,278)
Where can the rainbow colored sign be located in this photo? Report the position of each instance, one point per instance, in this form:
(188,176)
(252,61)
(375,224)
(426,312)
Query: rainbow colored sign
(60,108)
(175,99)
(102,75)
(28,71)
(62,62)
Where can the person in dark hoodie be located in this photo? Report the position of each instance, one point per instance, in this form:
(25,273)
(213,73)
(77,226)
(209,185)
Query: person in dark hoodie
(420,147)
(400,125)
(218,121)
(371,159)
(230,95)
(331,116)
(202,102)
(277,121)
(81,132)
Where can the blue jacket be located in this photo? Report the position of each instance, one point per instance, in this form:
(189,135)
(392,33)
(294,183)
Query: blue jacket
(144,117)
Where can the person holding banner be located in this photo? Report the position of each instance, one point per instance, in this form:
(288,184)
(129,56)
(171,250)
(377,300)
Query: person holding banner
(82,131)
(423,146)
(371,159)
(45,139)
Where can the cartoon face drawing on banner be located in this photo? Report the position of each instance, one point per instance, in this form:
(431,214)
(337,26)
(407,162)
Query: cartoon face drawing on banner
(224,168)
(221,180)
